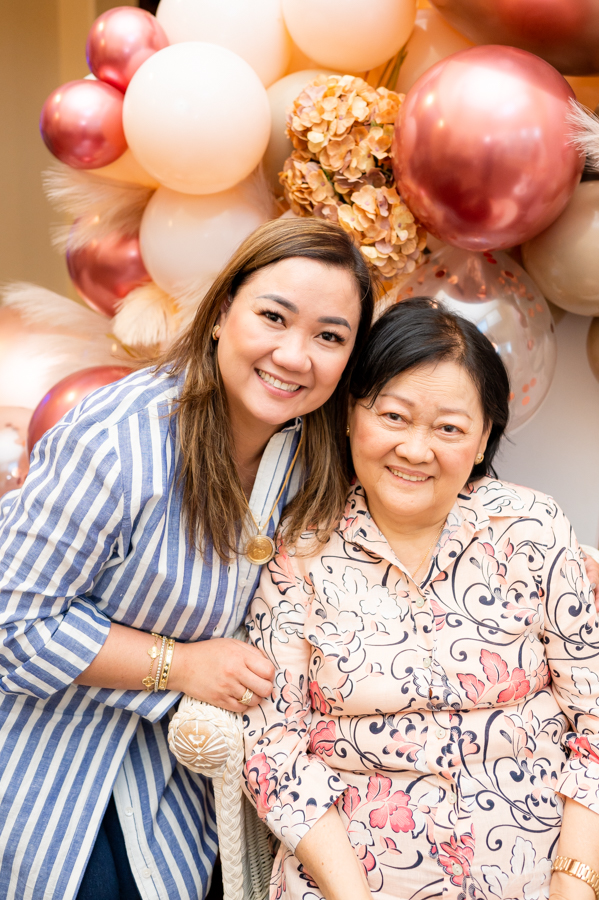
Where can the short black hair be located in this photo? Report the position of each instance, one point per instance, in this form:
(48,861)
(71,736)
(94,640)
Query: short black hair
(421,330)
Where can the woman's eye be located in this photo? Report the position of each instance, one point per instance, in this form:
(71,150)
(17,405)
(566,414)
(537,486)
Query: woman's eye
(450,429)
(273,316)
(332,338)
(394,417)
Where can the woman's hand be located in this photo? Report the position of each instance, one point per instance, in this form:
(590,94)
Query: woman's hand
(219,670)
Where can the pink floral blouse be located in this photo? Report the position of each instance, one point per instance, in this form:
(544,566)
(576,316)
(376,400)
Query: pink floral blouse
(441,719)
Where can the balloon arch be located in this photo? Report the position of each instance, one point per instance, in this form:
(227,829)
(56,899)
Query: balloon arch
(394,118)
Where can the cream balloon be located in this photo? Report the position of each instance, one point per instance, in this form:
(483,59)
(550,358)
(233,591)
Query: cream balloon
(126,168)
(431,40)
(298,61)
(196,117)
(281,95)
(186,240)
(350,35)
(255,31)
(563,259)
(593,347)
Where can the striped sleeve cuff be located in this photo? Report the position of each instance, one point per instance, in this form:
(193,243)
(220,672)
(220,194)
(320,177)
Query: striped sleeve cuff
(47,656)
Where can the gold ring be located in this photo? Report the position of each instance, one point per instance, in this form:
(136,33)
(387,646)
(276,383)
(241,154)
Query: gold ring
(247,697)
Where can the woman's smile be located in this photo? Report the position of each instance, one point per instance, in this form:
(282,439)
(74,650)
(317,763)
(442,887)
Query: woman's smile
(277,386)
(408,475)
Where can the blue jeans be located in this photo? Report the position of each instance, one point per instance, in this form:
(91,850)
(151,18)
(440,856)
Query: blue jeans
(108,875)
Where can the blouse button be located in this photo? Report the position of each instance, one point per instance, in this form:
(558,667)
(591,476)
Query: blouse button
(457,869)
(146,873)
(420,602)
(452,797)
(440,732)
(129,811)
(427,662)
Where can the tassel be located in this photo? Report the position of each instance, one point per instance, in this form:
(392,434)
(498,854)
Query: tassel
(148,318)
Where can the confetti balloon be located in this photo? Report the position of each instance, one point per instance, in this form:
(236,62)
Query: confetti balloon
(496,294)
(14,459)
(119,41)
(67,394)
(82,124)
(106,269)
(482,153)
(564,32)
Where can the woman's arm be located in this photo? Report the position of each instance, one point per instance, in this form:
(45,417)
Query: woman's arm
(217,671)
(578,840)
(327,855)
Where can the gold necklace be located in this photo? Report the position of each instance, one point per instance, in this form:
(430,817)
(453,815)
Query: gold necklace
(440,532)
(260,548)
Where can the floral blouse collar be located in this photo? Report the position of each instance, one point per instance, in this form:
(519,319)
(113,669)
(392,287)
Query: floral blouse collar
(470,515)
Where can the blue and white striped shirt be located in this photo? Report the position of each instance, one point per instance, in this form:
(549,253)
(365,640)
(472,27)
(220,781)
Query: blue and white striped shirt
(96,535)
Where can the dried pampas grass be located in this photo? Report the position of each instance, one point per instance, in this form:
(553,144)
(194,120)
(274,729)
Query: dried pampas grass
(148,318)
(585,133)
(99,204)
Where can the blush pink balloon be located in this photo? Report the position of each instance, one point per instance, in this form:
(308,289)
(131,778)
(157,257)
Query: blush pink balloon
(82,124)
(482,152)
(106,269)
(67,394)
(563,32)
(119,41)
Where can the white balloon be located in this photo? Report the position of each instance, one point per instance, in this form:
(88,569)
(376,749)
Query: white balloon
(185,240)
(281,95)
(254,30)
(350,35)
(196,117)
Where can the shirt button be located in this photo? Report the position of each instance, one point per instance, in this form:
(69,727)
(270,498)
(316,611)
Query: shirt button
(457,869)
(427,662)
(452,797)
(420,602)
(146,873)
(440,732)
(129,811)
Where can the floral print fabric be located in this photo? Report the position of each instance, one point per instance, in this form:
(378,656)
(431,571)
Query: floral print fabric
(442,719)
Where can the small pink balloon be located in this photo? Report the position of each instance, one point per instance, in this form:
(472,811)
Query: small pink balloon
(482,153)
(119,41)
(14,459)
(67,394)
(82,124)
(106,269)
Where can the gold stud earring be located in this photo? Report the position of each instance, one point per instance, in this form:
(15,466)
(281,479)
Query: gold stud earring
(347,430)
(479,458)
(215,331)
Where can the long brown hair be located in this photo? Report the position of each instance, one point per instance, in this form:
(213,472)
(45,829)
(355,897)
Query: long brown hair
(213,500)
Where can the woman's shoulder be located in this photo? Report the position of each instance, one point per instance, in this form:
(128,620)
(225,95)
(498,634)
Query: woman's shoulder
(495,497)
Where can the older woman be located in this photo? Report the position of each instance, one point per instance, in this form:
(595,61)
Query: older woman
(433,731)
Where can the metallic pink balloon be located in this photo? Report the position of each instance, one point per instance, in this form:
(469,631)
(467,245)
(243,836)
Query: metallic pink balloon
(119,41)
(67,394)
(481,153)
(106,269)
(82,124)
(563,32)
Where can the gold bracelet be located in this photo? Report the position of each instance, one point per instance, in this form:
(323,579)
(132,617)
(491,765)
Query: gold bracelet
(159,668)
(166,666)
(148,681)
(578,870)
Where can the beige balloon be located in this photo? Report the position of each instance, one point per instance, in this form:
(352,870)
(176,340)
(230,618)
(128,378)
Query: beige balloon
(431,40)
(126,168)
(281,95)
(254,30)
(350,35)
(593,347)
(298,61)
(564,259)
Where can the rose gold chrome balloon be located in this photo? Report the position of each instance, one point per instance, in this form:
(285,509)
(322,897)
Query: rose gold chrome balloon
(563,32)
(105,270)
(119,41)
(82,124)
(481,152)
(67,394)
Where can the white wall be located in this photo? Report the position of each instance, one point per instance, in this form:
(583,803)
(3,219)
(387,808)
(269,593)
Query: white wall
(558,451)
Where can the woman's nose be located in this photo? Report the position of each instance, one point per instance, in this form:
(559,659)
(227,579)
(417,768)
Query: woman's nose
(292,354)
(415,447)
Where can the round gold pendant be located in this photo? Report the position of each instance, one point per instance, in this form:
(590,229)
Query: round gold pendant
(260,549)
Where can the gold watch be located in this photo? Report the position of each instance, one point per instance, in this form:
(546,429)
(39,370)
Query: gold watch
(578,870)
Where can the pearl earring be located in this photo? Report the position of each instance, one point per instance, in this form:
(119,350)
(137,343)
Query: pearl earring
(479,458)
